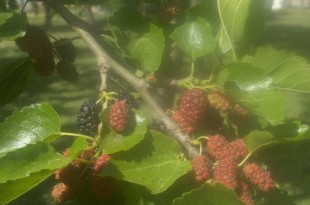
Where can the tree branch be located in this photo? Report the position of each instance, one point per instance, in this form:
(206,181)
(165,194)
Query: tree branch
(103,58)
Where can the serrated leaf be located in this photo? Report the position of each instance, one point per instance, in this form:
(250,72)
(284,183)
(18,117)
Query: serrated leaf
(251,88)
(209,194)
(148,49)
(29,125)
(13,189)
(195,38)
(153,163)
(238,18)
(115,142)
(31,159)
(13,79)
(287,71)
(12,24)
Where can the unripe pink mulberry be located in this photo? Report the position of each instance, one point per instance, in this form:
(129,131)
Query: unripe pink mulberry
(258,176)
(201,168)
(62,192)
(220,102)
(226,173)
(240,148)
(100,162)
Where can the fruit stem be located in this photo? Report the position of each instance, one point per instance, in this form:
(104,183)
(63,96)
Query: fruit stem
(203,137)
(77,135)
(244,160)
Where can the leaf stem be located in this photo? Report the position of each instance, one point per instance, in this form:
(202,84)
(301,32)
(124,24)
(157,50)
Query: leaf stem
(77,135)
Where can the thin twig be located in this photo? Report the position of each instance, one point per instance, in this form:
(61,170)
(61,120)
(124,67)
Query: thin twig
(103,58)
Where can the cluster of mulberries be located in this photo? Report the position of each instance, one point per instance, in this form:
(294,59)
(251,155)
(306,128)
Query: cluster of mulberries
(77,175)
(37,44)
(88,118)
(191,108)
(225,156)
(67,54)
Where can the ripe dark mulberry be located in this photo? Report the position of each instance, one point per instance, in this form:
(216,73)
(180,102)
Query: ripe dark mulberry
(192,105)
(201,168)
(186,127)
(119,116)
(69,175)
(100,162)
(129,99)
(215,146)
(258,176)
(226,173)
(65,49)
(88,118)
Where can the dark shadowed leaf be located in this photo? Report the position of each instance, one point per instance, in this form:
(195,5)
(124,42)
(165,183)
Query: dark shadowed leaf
(12,24)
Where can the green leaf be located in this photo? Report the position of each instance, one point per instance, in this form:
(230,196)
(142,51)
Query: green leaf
(148,49)
(195,38)
(115,142)
(153,163)
(258,138)
(209,194)
(252,89)
(13,189)
(12,25)
(241,21)
(78,145)
(31,159)
(13,79)
(29,125)
(288,72)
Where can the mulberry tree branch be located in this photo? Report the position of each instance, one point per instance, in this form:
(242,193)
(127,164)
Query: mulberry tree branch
(92,39)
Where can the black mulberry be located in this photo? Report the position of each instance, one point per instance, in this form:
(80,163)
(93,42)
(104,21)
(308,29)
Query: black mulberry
(88,118)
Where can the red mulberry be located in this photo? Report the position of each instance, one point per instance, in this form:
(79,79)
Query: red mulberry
(119,116)
(226,173)
(192,105)
(215,146)
(244,194)
(201,168)
(186,127)
(100,162)
(258,176)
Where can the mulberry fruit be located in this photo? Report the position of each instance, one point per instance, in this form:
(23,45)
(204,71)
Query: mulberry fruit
(88,118)
(215,146)
(119,116)
(226,173)
(129,99)
(220,102)
(201,168)
(67,71)
(239,148)
(186,127)
(61,192)
(101,161)
(192,105)
(65,49)
(244,194)
(258,176)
